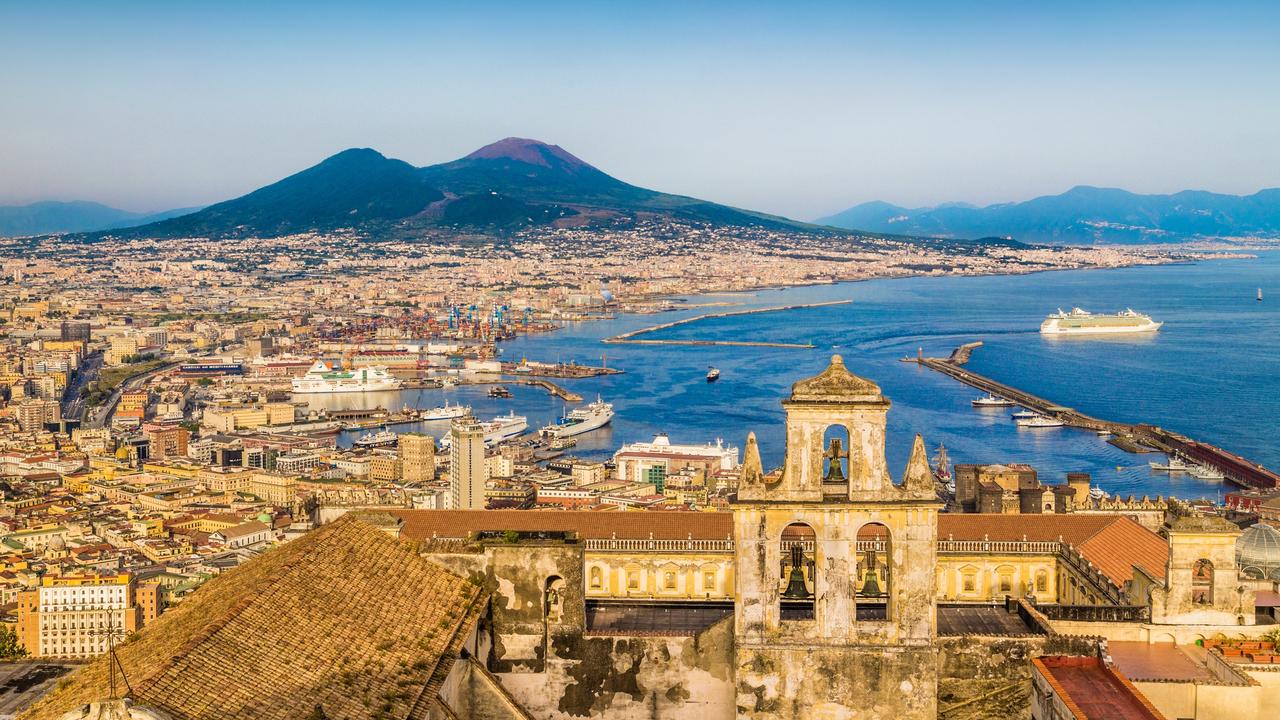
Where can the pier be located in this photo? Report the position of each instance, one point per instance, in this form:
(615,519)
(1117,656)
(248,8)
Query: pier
(630,337)
(1129,437)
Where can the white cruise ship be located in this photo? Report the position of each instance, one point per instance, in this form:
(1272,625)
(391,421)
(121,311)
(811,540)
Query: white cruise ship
(323,379)
(1083,322)
(581,420)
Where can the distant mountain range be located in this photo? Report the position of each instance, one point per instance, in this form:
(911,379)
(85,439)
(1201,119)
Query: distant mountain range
(512,184)
(43,218)
(1081,215)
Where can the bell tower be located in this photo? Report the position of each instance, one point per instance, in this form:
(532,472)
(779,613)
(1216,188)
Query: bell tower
(835,565)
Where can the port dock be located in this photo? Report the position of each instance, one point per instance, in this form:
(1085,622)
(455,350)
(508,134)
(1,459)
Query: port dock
(1139,437)
(631,337)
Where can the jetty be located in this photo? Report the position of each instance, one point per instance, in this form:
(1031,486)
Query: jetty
(1139,437)
(631,337)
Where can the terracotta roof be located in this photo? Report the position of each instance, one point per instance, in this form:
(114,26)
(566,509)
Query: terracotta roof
(1091,690)
(346,618)
(427,524)
(1114,543)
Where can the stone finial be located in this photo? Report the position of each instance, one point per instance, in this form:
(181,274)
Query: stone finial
(752,469)
(918,474)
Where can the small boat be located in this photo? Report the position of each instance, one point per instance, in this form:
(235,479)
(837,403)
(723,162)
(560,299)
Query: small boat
(499,391)
(446,412)
(1024,415)
(1175,464)
(1104,433)
(562,443)
(713,374)
(1259,294)
(992,401)
(1038,421)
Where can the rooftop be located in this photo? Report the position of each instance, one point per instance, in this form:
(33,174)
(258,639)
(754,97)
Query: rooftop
(346,617)
(980,620)
(1092,690)
(1156,661)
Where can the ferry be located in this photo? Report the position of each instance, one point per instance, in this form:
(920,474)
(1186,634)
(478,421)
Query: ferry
(1083,322)
(323,379)
(1038,421)
(382,438)
(992,401)
(499,429)
(446,412)
(581,420)
(713,374)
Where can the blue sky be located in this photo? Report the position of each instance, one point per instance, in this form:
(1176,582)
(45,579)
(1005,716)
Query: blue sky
(794,108)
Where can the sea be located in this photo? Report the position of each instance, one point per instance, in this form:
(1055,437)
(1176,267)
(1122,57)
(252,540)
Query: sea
(1212,372)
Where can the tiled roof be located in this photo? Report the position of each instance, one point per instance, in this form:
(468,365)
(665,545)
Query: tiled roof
(428,524)
(346,618)
(1114,543)
(1091,690)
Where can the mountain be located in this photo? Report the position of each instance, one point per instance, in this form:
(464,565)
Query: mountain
(1083,214)
(508,185)
(43,218)
(357,187)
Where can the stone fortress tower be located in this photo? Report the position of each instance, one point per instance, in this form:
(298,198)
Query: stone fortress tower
(836,614)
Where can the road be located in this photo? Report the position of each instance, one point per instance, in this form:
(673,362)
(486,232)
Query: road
(72,402)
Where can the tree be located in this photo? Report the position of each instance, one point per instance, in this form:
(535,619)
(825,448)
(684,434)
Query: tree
(10,648)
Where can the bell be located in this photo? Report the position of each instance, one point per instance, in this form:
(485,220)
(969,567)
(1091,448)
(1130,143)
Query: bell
(871,585)
(835,473)
(796,588)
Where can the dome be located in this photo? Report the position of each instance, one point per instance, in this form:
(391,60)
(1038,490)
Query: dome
(265,518)
(1258,552)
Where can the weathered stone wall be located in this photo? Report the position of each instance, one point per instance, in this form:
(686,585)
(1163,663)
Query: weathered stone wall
(632,678)
(988,677)
(865,682)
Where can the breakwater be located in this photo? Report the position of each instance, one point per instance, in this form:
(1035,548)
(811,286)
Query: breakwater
(631,337)
(1131,437)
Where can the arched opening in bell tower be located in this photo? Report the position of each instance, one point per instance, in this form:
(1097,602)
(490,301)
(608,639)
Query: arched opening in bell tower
(797,572)
(875,574)
(835,461)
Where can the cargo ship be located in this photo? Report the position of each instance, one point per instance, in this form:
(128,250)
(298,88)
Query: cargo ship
(1083,322)
(323,379)
(581,420)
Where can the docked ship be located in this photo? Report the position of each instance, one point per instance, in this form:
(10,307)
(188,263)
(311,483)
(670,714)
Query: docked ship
(1038,421)
(1083,322)
(502,427)
(446,412)
(323,379)
(992,401)
(383,438)
(581,420)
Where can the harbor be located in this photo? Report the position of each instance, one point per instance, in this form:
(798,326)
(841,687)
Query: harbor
(1139,437)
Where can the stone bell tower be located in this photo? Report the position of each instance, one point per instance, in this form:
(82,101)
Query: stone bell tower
(835,563)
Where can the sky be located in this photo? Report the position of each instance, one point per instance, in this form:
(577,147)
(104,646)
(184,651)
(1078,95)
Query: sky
(798,108)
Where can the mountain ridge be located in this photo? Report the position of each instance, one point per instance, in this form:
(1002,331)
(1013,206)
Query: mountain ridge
(59,216)
(1082,214)
(512,184)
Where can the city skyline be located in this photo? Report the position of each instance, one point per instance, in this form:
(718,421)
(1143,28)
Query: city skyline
(774,111)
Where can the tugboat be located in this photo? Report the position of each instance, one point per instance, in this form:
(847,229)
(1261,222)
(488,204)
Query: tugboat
(713,374)
(499,391)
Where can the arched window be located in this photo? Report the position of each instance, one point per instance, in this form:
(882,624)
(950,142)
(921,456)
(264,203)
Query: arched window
(597,578)
(668,579)
(797,572)
(874,574)
(553,598)
(1202,582)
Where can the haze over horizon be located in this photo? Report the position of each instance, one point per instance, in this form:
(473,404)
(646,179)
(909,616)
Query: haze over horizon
(799,111)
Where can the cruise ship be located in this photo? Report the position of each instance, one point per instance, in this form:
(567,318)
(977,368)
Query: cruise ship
(323,379)
(581,420)
(1083,322)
